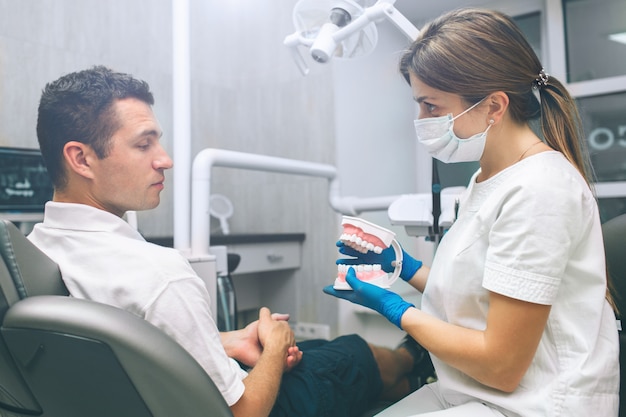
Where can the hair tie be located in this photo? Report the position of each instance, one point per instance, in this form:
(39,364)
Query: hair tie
(541,80)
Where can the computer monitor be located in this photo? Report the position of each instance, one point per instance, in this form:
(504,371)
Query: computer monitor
(25,186)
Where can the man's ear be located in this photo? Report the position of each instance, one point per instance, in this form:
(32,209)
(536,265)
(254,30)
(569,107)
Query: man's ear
(78,157)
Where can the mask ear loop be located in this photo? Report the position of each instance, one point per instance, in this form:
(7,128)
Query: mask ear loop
(468,109)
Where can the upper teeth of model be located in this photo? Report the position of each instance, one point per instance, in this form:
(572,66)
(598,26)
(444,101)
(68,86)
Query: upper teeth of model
(359,244)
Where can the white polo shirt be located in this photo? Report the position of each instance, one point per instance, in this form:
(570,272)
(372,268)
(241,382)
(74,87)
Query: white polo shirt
(102,258)
(532,232)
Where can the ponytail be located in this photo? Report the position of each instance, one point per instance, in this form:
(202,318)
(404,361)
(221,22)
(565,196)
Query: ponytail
(561,125)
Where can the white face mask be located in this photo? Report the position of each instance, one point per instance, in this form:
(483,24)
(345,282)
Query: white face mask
(437,134)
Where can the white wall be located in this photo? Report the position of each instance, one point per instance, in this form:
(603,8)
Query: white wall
(247,95)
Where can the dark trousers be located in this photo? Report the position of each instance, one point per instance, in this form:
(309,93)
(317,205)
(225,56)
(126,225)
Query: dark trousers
(337,378)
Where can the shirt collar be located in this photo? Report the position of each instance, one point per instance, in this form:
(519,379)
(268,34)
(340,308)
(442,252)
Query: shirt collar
(81,217)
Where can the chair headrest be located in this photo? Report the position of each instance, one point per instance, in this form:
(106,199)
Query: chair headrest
(27,271)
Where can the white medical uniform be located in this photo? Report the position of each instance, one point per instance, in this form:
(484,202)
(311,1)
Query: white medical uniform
(102,258)
(532,232)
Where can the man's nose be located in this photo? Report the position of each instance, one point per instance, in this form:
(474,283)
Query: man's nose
(163,160)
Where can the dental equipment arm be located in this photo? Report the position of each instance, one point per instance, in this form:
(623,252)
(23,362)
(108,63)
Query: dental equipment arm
(387,303)
(324,46)
(386,259)
(201,189)
(436,234)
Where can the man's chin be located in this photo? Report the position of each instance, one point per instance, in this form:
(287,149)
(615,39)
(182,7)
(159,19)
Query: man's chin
(146,205)
(151,206)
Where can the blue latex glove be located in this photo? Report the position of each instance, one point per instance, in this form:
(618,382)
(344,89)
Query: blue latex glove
(410,265)
(387,303)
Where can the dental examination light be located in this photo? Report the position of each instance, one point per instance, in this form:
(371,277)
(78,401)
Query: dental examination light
(346,29)
(340,28)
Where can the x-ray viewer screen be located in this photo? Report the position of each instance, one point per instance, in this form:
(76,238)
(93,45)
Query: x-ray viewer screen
(24,182)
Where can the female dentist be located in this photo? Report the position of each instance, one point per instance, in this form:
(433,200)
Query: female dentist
(515,310)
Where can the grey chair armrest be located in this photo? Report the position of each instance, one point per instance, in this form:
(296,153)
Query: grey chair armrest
(168,379)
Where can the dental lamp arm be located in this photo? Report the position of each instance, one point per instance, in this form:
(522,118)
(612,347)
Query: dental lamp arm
(292,42)
(383,9)
(399,21)
(323,47)
(331,35)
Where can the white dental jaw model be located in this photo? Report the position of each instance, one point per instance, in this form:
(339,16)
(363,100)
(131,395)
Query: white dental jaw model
(364,236)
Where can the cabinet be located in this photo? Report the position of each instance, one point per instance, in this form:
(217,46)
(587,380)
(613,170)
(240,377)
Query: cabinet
(265,275)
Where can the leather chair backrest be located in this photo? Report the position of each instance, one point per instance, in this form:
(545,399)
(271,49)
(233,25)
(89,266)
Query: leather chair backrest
(27,270)
(614,232)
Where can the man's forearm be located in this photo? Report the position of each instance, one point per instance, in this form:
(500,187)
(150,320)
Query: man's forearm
(262,385)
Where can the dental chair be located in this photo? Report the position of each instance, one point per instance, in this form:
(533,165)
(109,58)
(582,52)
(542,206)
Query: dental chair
(66,357)
(614,232)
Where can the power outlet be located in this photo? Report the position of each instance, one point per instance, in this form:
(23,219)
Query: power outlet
(305,331)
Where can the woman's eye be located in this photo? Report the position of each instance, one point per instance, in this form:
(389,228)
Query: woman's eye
(426,110)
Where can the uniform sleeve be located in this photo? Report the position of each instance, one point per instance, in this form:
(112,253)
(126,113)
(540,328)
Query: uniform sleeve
(182,311)
(537,227)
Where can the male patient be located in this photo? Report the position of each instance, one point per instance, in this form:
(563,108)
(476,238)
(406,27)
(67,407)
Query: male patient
(100,143)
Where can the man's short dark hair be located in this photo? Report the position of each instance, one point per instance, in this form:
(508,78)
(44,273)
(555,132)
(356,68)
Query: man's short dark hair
(79,107)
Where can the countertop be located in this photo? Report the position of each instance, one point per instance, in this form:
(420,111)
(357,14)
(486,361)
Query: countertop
(237,239)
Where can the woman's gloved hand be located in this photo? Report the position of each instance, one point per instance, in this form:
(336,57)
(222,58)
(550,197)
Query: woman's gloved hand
(386,259)
(387,303)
